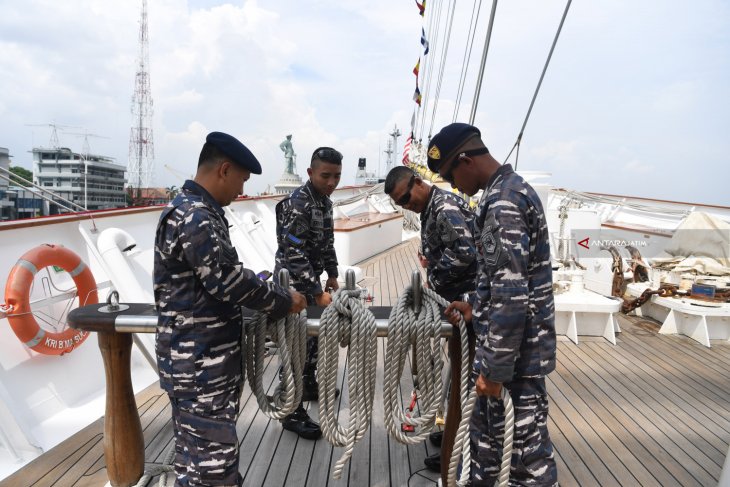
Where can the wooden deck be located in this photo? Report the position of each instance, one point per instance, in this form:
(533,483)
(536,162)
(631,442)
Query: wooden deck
(652,410)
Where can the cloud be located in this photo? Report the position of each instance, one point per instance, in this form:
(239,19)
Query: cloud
(635,166)
(559,151)
(676,98)
(620,91)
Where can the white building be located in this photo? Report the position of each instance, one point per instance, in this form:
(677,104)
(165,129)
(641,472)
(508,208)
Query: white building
(5,203)
(91,181)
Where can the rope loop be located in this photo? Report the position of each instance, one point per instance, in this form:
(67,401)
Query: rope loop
(347,323)
(290,334)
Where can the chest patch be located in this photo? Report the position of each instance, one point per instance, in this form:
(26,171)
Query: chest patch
(317,218)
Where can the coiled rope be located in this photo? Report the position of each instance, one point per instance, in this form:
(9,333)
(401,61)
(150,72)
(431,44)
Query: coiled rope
(407,326)
(161,470)
(347,323)
(290,333)
(415,320)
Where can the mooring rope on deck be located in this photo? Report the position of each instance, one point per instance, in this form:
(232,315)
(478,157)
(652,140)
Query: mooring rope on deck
(162,470)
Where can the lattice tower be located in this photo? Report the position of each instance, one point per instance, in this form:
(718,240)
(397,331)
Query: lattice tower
(140,168)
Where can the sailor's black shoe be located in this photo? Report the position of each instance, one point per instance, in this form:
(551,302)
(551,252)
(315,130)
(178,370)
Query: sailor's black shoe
(311,389)
(300,423)
(433,463)
(435,437)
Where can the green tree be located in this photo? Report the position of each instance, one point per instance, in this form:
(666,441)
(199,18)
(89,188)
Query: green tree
(23,173)
(172,191)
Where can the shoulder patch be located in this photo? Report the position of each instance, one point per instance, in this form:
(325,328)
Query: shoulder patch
(446,228)
(491,243)
(300,227)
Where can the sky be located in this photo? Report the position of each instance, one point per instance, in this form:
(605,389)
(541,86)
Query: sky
(635,100)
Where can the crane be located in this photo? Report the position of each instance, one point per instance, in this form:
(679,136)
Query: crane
(177,173)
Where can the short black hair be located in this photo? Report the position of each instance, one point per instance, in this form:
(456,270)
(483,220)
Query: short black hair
(210,154)
(395,175)
(326,154)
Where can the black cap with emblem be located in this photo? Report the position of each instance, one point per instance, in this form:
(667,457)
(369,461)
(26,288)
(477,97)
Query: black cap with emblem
(444,144)
(235,150)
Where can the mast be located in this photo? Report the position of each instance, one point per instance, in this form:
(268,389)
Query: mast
(392,148)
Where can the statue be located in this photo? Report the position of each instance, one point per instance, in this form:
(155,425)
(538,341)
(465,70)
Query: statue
(289,155)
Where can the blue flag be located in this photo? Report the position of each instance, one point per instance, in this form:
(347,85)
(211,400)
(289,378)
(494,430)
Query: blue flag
(424,42)
(417,96)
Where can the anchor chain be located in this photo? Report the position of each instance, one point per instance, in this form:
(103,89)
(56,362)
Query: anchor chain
(664,291)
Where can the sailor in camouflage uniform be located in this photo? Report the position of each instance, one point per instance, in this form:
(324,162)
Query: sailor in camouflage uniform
(306,248)
(447,244)
(199,287)
(513,312)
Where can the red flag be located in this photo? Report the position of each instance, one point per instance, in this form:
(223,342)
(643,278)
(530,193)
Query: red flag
(417,68)
(421,7)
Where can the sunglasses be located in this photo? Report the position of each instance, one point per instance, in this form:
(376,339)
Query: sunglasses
(448,176)
(403,200)
(328,155)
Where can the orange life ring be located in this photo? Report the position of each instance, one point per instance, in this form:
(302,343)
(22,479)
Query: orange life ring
(17,297)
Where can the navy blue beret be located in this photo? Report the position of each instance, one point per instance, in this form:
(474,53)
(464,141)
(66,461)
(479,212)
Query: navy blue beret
(233,148)
(444,144)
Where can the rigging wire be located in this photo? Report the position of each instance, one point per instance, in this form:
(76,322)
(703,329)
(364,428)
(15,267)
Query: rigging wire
(467,56)
(537,90)
(427,80)
(483,63)
(444,53)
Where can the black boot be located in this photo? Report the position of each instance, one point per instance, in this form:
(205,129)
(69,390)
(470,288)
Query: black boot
(300,423)
(435,437)
(433,463)
(311,387)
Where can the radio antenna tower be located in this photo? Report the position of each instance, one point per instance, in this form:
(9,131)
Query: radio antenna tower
(141,142)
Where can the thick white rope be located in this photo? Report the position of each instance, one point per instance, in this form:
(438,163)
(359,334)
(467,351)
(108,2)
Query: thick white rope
(347,323)
(509,431)
(161,470)
(405,329)
(290,334)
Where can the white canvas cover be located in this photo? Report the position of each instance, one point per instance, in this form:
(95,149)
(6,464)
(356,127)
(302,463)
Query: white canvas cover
(702,235)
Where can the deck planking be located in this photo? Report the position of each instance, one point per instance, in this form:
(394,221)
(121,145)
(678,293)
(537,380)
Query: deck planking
(652,410)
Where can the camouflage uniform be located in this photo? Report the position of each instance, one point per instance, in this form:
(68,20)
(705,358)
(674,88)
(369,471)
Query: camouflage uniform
(199,286)
(305,234)
(514,321)
(447,242)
